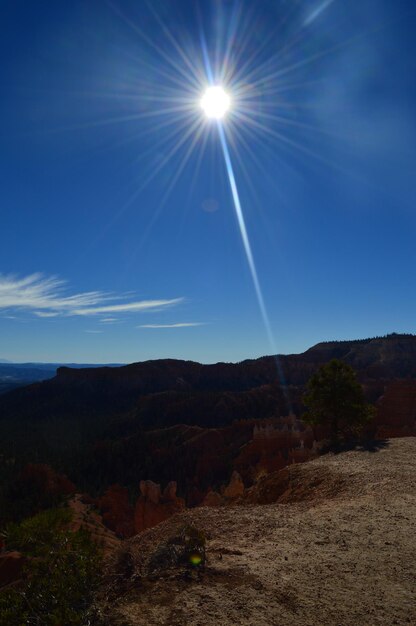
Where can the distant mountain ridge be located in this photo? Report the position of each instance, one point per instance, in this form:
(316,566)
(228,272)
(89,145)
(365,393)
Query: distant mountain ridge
(179,420)
(14,375)
(109,389)
(393,356)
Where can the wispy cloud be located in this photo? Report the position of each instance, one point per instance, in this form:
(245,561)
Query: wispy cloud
(315,13)
(48,297)
(128,307)
(46,313)
(109,320)
(95,332)
(178,325)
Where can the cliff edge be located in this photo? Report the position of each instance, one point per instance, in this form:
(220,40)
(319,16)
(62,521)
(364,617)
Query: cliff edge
(344,554)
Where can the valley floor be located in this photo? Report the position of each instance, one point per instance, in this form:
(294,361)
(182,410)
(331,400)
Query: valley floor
(347,557)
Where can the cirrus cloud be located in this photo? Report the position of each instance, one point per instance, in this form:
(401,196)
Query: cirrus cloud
(48,297)
(177,325)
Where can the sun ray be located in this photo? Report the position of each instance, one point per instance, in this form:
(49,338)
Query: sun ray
(265,97)
(167,157)
(281,120)
(175,44)
(166,57)
(267,131)
(201,152)
(123,119)
(376,27)
(249,254)
(243,70)
(234,26)
(184,137)
(243,230)
(161,204)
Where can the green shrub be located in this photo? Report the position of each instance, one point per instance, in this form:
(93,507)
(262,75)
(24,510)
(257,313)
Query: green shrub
(184,549)
(60,578)
(35,535)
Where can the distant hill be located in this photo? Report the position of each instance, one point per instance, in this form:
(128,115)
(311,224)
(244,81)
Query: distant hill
(114,424)
(110,389)
(14,375)
(17,375)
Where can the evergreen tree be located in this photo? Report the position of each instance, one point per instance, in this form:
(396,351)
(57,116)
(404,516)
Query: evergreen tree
(335,400)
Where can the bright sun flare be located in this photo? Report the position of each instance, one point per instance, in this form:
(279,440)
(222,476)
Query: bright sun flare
(215,102)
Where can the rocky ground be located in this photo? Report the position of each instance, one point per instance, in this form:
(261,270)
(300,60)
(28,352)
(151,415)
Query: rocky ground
(342,554)
(85,516)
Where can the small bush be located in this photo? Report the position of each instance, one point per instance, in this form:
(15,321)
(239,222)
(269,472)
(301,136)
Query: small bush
(193,540)
(60,578)
(185,549)
(35,535)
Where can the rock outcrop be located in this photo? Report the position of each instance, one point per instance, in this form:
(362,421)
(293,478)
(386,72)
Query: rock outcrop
(84,516)
(153,506)
(396,415)
(235,488)
(297,483)
(276,443)
(213,498)
(117,512)
(40,487)
(11,567)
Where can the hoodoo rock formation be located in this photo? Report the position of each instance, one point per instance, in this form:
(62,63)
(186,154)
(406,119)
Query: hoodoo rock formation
(235,488)
(276,443)
(213,498)
(396,416)
(117,513)
(153,506)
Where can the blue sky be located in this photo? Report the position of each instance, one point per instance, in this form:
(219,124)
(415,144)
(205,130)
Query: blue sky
(119,240)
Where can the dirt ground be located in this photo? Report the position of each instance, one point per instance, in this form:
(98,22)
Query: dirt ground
(346,557)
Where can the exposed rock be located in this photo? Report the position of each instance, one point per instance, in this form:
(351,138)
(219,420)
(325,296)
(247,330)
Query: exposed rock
(284,564)
(118,514)
(297,483)
(396,416)
(11,567)
(213,498)
(39,486)
(269,488)
(43,480)
(169,493)
(205,430)
(299,455)
(235,488)
(150,491)
(276,443)
(84,516)
(153,508)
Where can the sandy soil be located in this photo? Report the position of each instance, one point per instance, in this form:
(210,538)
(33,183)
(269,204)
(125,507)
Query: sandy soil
(346,557)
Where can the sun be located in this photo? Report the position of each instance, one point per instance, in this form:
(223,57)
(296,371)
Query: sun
(215,102)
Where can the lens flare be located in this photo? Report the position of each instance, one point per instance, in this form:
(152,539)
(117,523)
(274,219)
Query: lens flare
(215,102)
(249,92)
(195,559)
(249,255)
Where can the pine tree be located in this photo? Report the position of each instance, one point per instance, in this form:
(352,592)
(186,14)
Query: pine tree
(335,400)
